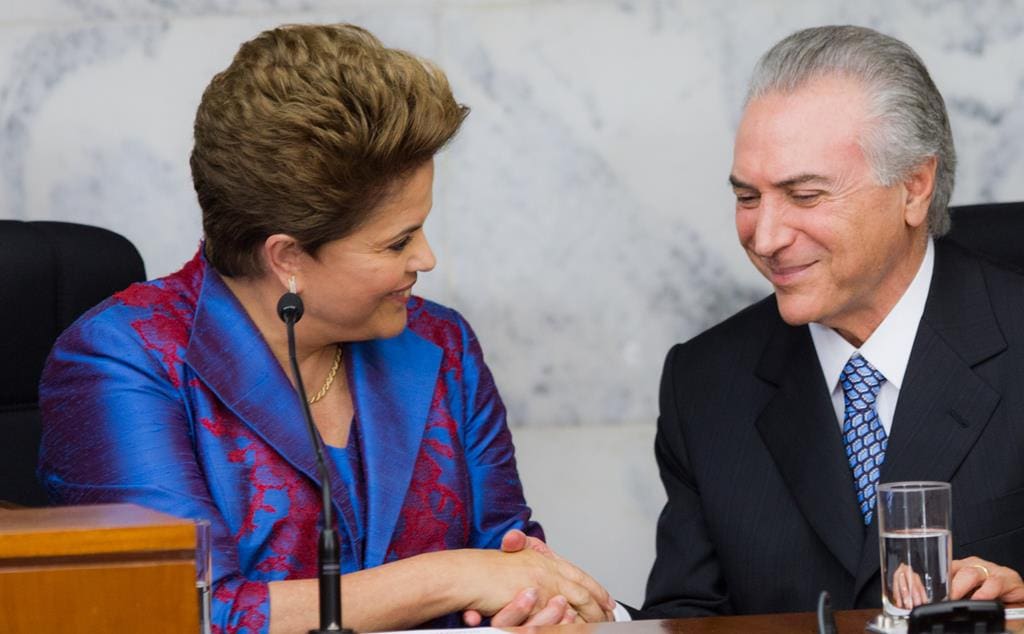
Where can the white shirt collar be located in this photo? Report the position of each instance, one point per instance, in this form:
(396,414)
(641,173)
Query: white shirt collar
(888,347)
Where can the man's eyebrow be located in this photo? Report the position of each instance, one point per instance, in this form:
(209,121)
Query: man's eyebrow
(802,179)
(738,184)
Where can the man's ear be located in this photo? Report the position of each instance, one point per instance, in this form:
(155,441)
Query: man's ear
(283,258)
(919,185)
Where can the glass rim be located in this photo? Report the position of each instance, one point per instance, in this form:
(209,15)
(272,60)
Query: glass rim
(913,486)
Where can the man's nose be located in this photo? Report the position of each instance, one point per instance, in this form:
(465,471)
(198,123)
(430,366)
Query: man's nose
(772,232)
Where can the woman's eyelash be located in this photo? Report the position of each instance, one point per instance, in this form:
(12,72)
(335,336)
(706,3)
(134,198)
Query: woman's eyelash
(401,244)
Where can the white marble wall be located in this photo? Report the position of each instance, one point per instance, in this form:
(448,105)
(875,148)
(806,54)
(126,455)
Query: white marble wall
(582,220)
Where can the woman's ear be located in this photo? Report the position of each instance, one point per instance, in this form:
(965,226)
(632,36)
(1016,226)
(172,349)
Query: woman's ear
(283,258)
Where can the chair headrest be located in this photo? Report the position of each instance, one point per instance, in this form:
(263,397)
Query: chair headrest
(995,231)
(51,273)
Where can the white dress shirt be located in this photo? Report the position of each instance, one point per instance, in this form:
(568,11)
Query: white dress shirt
(887,349)
(621,615)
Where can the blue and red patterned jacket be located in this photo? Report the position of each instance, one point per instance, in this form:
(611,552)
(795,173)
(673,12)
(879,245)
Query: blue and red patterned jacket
(166,395)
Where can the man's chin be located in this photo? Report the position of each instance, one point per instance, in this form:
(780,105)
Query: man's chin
(795,314)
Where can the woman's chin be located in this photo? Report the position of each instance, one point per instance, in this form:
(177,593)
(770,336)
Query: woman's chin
(393,327)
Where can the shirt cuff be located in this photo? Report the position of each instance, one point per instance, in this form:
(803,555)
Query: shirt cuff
(621,614)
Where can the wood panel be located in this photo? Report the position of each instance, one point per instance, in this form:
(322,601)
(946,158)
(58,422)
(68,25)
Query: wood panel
(109,568)
(101,528)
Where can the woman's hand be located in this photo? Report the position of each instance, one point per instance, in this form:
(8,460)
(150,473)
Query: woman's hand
(516,588)
(554,578)
(523,611)
(979,579)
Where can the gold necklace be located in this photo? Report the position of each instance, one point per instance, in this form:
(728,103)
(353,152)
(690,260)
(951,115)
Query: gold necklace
(330,377)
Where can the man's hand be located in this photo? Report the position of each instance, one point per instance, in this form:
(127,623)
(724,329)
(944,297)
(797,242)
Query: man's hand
(983,580)
(518,611)
(907,588)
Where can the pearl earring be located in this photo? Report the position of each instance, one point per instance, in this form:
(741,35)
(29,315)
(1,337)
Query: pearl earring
(291,284)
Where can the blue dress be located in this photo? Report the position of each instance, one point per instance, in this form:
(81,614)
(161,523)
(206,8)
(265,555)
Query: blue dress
(166,395)
(348,462)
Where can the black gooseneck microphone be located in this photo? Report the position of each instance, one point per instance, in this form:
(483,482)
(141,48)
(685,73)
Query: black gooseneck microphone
(289,309)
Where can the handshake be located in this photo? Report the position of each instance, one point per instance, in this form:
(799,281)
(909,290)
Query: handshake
(551,590)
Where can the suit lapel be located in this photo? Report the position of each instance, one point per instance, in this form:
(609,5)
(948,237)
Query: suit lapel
(799,427)
(232,359)
(393,389)
(943,405)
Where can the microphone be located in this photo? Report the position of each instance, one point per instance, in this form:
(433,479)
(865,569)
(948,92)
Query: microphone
(289,309)
(826,618)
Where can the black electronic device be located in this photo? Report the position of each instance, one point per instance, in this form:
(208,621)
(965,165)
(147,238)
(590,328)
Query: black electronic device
(957,617)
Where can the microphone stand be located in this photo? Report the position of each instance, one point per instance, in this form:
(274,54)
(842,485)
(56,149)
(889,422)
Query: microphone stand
(289,309)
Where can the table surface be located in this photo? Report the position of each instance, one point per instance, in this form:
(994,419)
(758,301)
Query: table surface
(848,621)
(92,530)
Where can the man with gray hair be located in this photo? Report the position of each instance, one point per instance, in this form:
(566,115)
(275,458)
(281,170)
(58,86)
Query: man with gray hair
(843,167)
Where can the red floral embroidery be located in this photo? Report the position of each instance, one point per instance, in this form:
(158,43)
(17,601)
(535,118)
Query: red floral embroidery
(293,540)
(172,300)
(248,598)
(434,516)
(444,332)
(290,547)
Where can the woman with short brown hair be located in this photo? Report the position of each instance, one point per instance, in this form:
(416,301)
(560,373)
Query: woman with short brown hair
(313,165)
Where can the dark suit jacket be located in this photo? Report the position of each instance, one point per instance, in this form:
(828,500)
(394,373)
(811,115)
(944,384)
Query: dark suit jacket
(761,512)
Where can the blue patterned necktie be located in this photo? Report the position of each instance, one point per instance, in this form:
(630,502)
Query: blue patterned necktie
(863,436)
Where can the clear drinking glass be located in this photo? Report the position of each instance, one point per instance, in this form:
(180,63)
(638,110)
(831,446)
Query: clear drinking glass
(204,568)
(915,543)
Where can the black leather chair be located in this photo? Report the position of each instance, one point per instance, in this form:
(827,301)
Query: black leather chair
(994,231)
(50,273)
